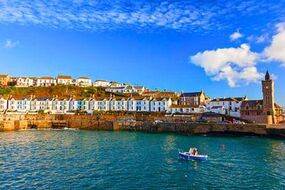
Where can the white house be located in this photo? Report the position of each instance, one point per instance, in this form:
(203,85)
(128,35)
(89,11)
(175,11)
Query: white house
(19,104)
(25,81)
(226,106)
(101,83)
(139,104)
(64,80)
(186,109)
(102,105)
(140,89)
(83,81)
(45,81)
(121,89)
(160,104)
(60,105)
(3,104)
(73,104)
(116,84)
(41,103)
(119,104)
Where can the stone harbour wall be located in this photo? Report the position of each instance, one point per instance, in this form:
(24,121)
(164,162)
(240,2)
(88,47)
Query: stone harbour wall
(132,123)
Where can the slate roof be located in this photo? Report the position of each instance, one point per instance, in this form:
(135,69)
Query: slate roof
(228,99)
(252,103)
(83,78)
(191,94)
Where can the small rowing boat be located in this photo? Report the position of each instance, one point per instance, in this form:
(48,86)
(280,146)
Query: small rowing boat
(192,154)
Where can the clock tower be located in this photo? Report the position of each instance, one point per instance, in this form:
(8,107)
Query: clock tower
(268,99)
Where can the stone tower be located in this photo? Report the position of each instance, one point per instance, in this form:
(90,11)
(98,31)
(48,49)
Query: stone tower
(268,99)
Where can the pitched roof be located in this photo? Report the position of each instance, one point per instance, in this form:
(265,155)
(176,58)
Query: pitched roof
(252,103)
(229,99)
(216,107)
(277,106)
(120,87)
(64,77)
(46,78)
(19,97)
(183,106)
(83,78)
(138,87)
(191,94)
(101,81)
(43,98)
(3,75)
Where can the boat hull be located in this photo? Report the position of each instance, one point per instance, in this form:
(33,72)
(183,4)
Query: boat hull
(187,156)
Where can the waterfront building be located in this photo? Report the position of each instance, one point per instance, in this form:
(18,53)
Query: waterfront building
(102,105)
(193,99)
(73,105)
(45,81)
(227,106)
(84,105)
(160,104)
(25,81)
(19,104)
(186,109)
(265,110)
(83,81)
(3,104)
(4,80)
(139,104)
(60,105)
(41,104)
(101,83)
(64,80)
(120,104)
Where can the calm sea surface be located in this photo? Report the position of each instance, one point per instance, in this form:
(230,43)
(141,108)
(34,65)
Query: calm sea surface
(129,160)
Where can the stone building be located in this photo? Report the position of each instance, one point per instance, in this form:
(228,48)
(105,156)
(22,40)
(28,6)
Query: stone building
(193,99)
(4,80)
(265,110)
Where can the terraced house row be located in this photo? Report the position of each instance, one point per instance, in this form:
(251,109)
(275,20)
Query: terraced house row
(55,105)
(7,80)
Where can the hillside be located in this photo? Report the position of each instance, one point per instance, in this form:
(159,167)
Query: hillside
(59,91)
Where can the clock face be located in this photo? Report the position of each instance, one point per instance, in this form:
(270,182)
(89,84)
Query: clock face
(266,87)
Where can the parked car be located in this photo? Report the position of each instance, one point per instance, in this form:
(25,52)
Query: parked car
(158,121)
(238,122)
(202,120)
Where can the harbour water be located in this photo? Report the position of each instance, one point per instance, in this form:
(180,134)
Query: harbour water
(130,160)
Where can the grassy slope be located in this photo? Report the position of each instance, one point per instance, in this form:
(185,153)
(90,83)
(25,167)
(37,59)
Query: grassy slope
(60,91)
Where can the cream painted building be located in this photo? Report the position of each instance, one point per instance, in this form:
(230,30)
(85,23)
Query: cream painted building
(45,81)
(64,80)
(25,81)
(83,81)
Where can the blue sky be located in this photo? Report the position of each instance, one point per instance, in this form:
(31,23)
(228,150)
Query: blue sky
(222,47)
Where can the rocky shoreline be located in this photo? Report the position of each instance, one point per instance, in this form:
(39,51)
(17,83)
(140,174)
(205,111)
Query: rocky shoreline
(136,123)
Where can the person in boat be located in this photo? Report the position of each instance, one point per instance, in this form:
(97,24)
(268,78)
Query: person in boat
(194,151)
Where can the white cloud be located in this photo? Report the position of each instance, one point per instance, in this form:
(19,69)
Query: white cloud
(263,38)
(236,35)
(276,50)
(11,44)
(107,14)
(236,65)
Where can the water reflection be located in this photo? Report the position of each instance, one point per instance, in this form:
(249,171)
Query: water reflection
(91,159)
